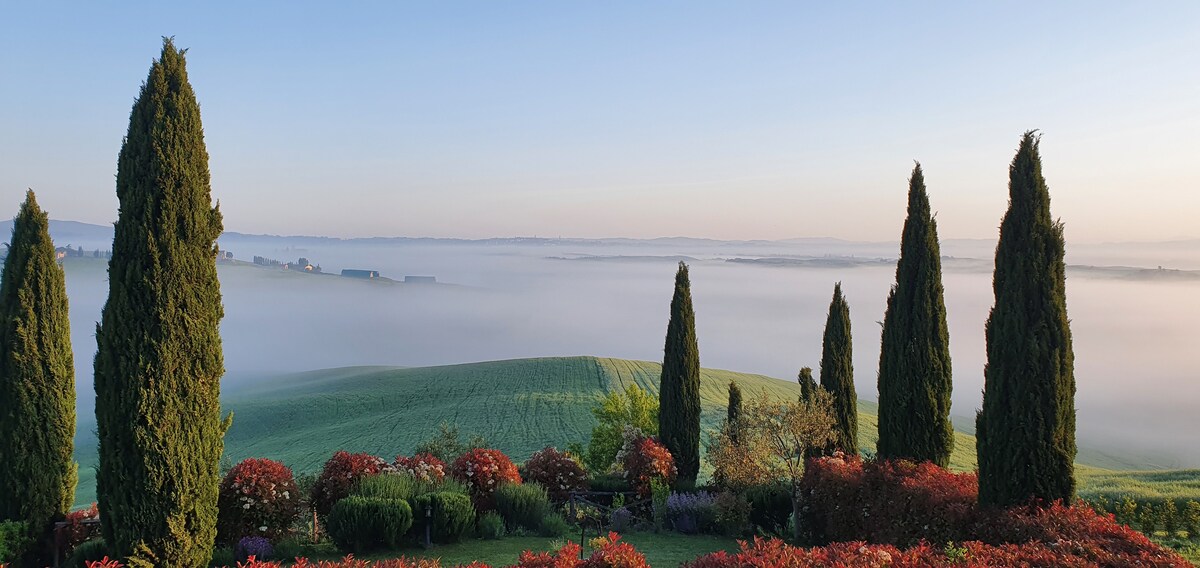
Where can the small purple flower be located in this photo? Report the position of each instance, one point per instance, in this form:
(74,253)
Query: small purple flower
(256,546)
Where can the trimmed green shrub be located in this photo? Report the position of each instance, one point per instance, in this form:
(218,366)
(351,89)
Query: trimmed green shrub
(289,548)
(553,526)
(522,505)
(360,524)
(223,557)
(400,486)
(770,507)
(453,515)
(91,551)
(491,526)
(14,540)
(610,482)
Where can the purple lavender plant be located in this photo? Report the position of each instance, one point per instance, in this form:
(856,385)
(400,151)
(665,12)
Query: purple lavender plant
(621,520)
(256,546)
(691,513)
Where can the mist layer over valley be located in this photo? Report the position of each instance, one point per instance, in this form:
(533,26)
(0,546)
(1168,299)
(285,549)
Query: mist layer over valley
(760,309)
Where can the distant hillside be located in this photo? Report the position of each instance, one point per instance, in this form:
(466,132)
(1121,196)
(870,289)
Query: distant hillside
(520,406)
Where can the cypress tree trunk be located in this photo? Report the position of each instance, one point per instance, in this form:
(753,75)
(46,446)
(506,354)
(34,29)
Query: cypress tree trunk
(679,385)
(733,414)
(914,361)
(837,374)
(37,380)
(1026,429)
(158,365)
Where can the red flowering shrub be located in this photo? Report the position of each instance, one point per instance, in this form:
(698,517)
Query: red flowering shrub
(557,471)
(424,467)
(611,554)
(644,459)
(483,471)
(339,476)
(887,502)
(258,497)
(76,532)
(969,555)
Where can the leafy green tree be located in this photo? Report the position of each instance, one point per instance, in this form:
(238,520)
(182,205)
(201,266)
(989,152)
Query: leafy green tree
(1025,433)
(914,361)
(837,374)
(158,364)
(37,379)
(679,386)
(634,407)
(733,413)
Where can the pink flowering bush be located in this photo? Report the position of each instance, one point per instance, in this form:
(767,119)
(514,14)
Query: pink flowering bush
(340,474)
(483,470)
(643,459)
(423,467)
(258,497)
(557,471)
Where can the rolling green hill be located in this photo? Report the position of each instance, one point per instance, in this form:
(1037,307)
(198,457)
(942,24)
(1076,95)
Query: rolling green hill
(520,406)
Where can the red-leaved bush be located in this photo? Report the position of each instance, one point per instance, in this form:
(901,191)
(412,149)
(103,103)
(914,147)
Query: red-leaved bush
(557,471)
(887,502)
(340,474)
(905,504)
(258,497)
(644,459)
(424,467)
(774,553)
(483,471)
(76,532)
(612,554)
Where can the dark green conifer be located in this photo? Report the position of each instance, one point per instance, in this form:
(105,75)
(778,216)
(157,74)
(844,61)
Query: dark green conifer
(37,379)
(679,385)
(837,374)
(914,361)
(158,365)
(1026,429)
(808,385)
(733,414)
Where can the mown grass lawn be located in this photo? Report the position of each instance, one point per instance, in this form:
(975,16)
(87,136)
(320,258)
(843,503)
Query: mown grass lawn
(661,550)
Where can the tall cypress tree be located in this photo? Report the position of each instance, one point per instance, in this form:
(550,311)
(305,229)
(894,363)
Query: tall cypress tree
(158,365)
(1026,429)
(733,413)
(37,379)
(914,362)
(679,385)
(837,373)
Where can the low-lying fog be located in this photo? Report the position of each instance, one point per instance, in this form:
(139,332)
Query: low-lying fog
(1135,332)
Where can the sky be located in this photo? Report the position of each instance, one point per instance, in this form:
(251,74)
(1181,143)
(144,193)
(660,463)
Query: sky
(746,120)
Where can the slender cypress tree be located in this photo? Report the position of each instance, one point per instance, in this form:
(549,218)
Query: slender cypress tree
(158,365)
(1026,430)
(808,385)
(914,362)
(679,385)
(837,374)
(733,414)
(37,379)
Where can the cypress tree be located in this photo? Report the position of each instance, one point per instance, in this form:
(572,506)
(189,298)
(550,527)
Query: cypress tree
(158,365)
(1026,430)
(679,385)
(914,362)
(808,385)
(37,379)
(837,374)
(733,414)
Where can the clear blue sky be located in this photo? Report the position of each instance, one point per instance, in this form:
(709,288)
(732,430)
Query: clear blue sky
(725,119)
